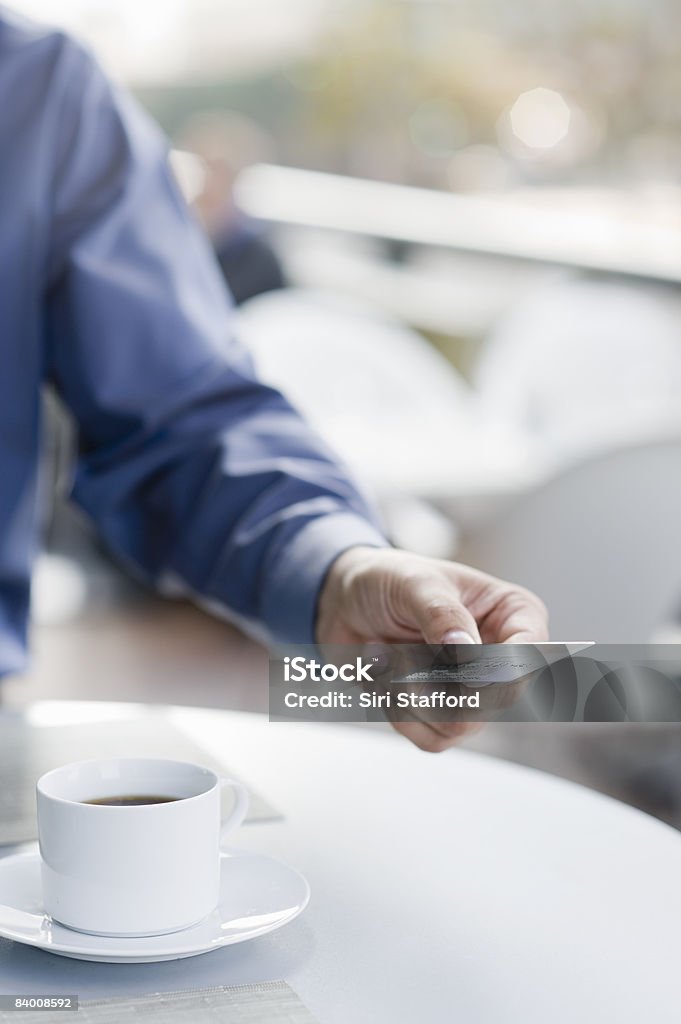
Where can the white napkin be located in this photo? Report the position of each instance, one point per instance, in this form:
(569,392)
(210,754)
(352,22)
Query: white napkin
(27,751)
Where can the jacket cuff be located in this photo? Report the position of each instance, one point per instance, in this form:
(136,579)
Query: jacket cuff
(294,581)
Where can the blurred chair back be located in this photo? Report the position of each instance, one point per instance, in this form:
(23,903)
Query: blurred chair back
(382,396)
(600,542)
(340,360)
(583,360)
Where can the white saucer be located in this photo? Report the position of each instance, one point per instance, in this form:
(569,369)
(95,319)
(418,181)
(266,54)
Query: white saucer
(257,895)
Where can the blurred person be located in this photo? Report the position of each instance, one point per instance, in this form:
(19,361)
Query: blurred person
(225,144)
(197,475)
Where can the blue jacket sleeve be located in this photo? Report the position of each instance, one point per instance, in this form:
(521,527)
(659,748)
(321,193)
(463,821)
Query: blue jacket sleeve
(194,471)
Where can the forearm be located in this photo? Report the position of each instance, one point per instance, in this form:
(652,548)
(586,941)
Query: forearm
(195,473)
(231,498)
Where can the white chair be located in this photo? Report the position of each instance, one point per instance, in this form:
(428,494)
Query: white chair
(600,542)
(376,391)
(583,360)
(339,359)
(393,407)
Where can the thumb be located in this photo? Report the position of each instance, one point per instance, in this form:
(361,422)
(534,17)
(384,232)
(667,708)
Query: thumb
(437,610)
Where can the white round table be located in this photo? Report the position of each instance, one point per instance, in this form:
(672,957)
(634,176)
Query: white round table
(449,887)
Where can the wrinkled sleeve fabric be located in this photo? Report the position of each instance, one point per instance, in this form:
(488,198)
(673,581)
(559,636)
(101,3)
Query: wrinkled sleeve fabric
(196,473)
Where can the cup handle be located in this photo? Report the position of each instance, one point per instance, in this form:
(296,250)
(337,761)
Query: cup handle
(238,811)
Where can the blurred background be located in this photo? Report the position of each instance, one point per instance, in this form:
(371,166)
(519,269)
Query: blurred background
(452,230)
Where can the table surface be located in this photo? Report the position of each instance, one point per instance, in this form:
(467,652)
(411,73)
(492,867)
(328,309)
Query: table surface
(450,887)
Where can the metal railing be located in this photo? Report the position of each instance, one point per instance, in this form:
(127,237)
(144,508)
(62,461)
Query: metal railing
(516,226)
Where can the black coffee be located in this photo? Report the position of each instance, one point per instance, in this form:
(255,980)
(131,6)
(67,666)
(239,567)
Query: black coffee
(132,800)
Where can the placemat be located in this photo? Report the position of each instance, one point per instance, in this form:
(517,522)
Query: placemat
(27,751)
(270,1002)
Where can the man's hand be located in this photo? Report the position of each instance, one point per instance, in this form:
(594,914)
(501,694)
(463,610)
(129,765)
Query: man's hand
(383,595)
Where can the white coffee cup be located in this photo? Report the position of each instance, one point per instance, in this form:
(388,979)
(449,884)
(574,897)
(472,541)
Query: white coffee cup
(132,870)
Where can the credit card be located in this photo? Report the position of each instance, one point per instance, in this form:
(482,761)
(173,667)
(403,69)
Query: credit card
(498,663)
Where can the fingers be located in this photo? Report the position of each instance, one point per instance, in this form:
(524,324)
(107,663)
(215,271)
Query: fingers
(523,618)
(510,614)
(425,737)
(536,635)
(437,610)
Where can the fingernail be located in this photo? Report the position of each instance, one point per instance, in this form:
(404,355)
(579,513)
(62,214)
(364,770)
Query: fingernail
(457,636)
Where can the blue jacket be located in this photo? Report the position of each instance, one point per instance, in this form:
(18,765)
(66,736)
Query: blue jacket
(195,473)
